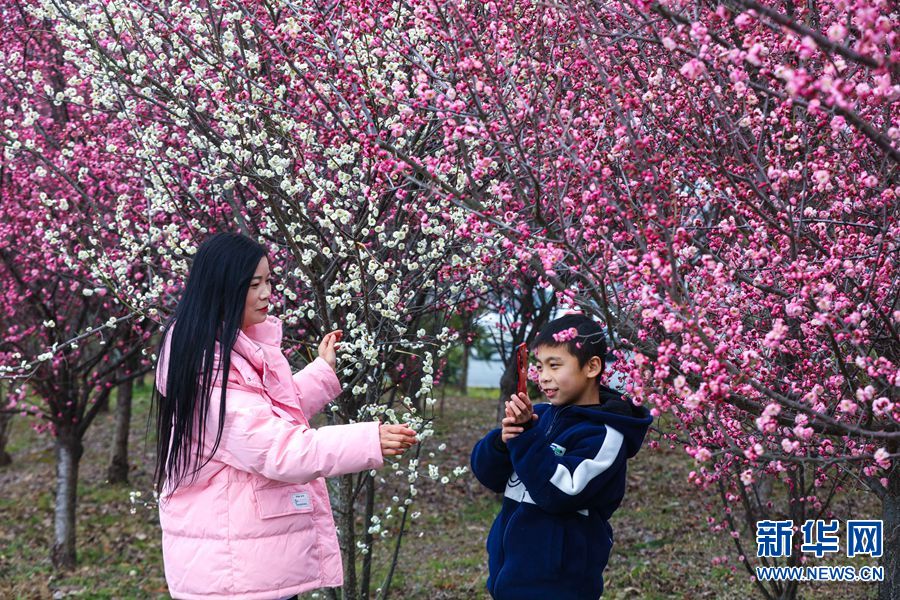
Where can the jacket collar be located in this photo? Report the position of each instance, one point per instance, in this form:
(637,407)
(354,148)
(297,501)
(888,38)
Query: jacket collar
(267,332)
(247,345)
(247,355)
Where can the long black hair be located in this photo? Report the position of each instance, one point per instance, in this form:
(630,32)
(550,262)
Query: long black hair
(210,312)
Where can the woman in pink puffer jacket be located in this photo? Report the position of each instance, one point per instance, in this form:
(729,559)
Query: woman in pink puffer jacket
(243,506)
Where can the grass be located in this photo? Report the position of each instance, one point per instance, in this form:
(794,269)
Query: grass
(119,553)
(663,546)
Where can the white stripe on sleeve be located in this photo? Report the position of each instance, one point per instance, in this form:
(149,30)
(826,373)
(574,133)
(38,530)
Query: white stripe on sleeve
(574,483)
(515,490)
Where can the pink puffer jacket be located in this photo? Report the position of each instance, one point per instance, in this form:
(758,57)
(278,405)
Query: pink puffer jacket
(256,522)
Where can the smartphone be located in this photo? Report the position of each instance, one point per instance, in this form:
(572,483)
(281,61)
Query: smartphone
(522,367)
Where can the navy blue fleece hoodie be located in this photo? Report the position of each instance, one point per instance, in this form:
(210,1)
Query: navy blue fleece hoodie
(561,480)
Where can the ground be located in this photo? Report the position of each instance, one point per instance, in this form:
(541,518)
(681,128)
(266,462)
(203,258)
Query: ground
(663,549)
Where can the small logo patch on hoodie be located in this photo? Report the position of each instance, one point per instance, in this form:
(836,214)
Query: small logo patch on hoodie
(557,449)
(301,501)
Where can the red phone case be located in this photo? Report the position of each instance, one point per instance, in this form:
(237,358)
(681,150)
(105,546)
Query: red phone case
(522,366)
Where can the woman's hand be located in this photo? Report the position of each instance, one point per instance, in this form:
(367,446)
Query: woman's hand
(396,439)
(328,348)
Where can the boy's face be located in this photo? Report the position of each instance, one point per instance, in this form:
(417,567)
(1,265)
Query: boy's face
(563,381)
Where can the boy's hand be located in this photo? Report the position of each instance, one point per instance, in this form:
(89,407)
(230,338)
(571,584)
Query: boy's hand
(509,429)
(519,414)
(520,409)
(328,348)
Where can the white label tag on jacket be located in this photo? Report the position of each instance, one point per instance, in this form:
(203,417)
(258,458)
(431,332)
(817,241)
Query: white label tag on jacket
(301,501)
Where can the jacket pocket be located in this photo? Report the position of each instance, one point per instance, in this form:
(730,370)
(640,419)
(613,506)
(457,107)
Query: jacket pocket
(276,499)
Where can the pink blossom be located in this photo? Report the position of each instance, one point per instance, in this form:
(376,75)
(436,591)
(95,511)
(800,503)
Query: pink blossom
(882,406)
(743,20)
(756,53)
(882,458)
(848,406)
(778,333)
(790,446)
(807,47)
(793,309)
(837,32)
(693,68)
(566,335)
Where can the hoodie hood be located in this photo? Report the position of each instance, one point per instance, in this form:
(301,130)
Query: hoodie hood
(617,411)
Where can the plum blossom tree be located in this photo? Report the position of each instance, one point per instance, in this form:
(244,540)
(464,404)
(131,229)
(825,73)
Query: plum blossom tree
(714,181)
(718,181)
(65,335)
(62,365)
(272,119)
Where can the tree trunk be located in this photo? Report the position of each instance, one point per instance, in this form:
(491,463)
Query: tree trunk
(346,518)
(68,455)
(369,538)
(118,466)
(103,401)
(411,387)
(890,560)
(464,374)
(5,420)
(508,385)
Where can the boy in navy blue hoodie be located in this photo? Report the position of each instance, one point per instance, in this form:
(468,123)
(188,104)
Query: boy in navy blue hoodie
(561,469)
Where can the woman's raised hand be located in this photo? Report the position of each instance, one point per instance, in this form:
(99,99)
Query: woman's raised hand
(396,439)
(328,347)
